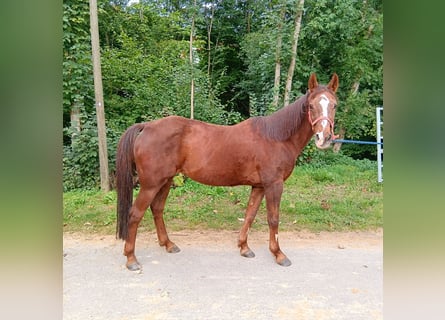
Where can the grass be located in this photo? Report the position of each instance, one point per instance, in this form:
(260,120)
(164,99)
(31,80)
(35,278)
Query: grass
(335,196)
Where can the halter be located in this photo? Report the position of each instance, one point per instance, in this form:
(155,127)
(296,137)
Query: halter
(333,136)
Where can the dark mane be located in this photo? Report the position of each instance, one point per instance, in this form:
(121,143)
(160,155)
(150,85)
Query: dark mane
(283,123)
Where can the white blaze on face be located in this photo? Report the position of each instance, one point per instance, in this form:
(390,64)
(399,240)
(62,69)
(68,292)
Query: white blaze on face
(324,102)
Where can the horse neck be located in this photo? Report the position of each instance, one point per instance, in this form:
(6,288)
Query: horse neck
(301,129)
(287,125)
(302,136)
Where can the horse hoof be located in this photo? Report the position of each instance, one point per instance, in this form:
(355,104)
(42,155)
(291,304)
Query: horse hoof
(173,249)
(248,254)
(135,266)
(285,262)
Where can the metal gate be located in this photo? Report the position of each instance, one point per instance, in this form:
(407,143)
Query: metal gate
(379,124)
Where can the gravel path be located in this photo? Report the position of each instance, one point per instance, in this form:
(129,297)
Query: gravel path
(333,276)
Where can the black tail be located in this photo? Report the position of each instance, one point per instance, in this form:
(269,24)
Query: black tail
(125,168)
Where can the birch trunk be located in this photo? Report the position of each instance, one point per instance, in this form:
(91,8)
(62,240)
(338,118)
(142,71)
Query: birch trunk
(192,82)
(75,120)
(209,33)
(290,72)
(276,85)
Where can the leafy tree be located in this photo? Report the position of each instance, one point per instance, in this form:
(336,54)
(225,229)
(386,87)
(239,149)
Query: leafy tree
(77,68)
(265,51)
(230,22)
(147,73)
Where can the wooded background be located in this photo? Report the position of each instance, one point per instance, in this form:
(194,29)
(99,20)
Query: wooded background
(218,61)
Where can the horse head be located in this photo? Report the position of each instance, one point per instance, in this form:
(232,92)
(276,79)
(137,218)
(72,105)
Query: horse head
(322,103)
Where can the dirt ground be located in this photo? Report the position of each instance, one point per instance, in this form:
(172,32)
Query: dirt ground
(334,275)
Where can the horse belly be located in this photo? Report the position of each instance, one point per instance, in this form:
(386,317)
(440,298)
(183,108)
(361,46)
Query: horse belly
(216,179)
(221,169)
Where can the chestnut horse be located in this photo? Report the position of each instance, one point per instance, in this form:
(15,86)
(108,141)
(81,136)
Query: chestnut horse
(259,152)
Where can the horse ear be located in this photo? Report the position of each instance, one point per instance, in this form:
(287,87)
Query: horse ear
(333,84)
(312,84)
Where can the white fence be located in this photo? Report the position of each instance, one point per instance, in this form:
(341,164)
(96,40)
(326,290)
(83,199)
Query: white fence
(379,114)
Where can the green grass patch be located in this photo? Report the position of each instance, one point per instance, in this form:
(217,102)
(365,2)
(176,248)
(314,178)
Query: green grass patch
(338,195)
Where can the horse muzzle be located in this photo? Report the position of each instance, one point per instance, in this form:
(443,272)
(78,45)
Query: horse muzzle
(323,141)
(323,129)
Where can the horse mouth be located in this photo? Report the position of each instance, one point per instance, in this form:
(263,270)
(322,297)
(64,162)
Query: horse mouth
(322,143)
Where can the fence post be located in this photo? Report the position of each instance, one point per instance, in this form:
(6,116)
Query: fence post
(379,124)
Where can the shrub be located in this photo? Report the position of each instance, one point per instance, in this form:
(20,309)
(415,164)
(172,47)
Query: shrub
(81,158)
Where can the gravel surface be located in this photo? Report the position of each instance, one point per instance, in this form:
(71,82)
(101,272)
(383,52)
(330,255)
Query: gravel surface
(332,276)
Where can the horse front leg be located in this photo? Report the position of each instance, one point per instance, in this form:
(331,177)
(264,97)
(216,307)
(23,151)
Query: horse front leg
(157,208)
(256,195)
(273,197)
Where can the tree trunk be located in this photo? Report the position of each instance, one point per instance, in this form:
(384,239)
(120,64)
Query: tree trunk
(98,93)
(209,33)
(248,17)
(276,84)
(75,120)
(192,82)
(341,135)
(290,72)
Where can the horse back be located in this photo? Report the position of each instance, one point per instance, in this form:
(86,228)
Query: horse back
(232,155)
(208,153)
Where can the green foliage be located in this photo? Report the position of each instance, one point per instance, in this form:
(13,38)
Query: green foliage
(136,85)
(77,67)
(149,78)
(308,153)
(81,159)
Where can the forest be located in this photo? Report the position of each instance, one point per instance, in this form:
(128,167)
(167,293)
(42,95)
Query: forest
(216,61)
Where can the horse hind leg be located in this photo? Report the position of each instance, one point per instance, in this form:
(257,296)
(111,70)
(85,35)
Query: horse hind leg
(157,208)
(256,196)
(137,212)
